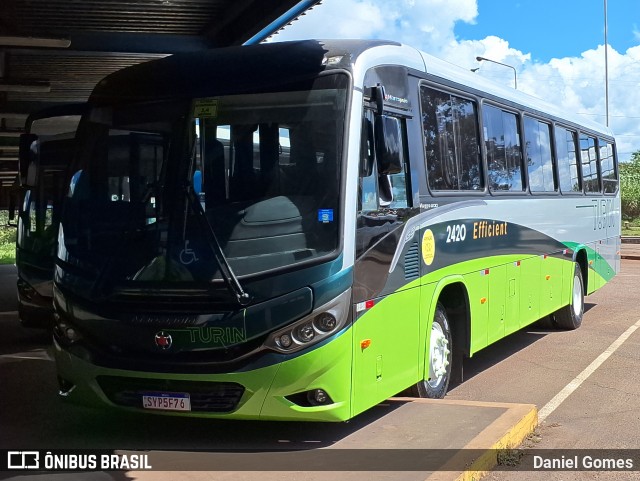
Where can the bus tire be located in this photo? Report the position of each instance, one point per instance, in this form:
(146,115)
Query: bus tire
(439,358)
(570,317)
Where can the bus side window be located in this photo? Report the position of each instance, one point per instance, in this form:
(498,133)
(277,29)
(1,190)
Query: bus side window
(396,184)
(451,141)
(539,156)
(502,141)
(607,167)
(588,157)
(566,151)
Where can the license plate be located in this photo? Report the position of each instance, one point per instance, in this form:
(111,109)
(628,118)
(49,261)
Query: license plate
(167,401)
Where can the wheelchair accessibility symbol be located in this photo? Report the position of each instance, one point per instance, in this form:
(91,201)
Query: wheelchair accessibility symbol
(187,255)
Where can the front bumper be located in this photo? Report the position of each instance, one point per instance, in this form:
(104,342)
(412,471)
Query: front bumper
(265,390)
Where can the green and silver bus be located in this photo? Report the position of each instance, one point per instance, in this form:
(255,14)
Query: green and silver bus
(46,150)
(299,230)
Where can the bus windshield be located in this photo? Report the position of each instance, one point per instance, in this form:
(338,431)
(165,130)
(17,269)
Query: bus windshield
(160,188)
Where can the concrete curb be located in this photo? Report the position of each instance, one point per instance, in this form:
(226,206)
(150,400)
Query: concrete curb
(506,432)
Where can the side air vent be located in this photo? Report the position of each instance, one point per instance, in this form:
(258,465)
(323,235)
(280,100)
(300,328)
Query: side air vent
(412,263)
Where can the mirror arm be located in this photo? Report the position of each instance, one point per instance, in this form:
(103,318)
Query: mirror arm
(379,94)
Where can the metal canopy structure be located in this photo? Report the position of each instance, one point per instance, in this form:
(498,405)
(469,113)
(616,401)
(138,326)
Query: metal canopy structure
(53,52)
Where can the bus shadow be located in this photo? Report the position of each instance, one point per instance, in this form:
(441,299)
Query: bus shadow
(191,434)
(34,416)
(29,386)
(509,346)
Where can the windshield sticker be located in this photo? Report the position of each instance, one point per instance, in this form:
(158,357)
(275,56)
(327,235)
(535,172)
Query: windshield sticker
(325,215)
(205,108)
(188,255)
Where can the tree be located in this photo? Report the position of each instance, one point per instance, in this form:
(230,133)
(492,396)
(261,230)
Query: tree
(630,187)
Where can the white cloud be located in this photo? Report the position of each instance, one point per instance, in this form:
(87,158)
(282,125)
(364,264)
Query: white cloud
(423,23)
(577,83)
(337,19)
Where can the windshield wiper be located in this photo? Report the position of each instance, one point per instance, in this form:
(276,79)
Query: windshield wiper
(228,275)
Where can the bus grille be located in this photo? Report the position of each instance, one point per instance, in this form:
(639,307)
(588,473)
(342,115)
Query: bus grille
(217,397)
(412,263)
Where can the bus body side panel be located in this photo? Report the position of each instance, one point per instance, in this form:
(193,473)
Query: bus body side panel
(552,281)
(477,284)
(512,301)
(386,343)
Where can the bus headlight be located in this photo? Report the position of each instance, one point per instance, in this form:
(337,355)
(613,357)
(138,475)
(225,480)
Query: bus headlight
(305,333)
(323,322)
(284,341)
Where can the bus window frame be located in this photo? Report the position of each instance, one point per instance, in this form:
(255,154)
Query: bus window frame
(483,170)
(525,179)
(597,152)
(554,158)
(614,158)
(578,162)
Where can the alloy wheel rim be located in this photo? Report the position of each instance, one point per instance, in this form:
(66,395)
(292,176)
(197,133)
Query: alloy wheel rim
(438,356)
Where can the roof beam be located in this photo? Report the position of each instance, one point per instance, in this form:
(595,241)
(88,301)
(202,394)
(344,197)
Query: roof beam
(38,42)
(24,85)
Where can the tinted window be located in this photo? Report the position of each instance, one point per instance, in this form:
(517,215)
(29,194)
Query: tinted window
(589,164)
(451,141)
(607,167)
(538,152)
(566,147)
(381,198)
(502,141)
(379,190)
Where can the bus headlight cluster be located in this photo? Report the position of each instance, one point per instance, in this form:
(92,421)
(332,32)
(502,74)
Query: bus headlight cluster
(320,324)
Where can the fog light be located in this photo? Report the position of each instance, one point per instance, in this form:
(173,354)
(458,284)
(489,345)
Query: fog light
(306,332)
(325,322)
(67,332)
(72,334)
(317,397)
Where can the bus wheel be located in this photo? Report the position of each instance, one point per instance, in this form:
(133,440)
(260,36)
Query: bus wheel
(439,358)
(570,317)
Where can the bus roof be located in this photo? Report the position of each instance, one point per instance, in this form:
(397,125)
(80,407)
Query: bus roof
(235,69)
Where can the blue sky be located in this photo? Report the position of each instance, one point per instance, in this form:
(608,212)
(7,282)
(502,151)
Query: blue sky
(556,46)
(555,28)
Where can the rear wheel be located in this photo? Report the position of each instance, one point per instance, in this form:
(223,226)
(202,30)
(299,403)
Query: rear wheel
(439,358)
(570,317)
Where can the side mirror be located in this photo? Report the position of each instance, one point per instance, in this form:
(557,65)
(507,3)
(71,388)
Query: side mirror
(32,175)
(13,204)
(378,95)
(28,160)
(388,145)
(367,155)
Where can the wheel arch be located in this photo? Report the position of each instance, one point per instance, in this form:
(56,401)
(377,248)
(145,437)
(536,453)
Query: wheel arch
(451,293)
(580,257)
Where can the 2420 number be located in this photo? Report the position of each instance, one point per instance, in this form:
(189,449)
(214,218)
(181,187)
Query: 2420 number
(456,233)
